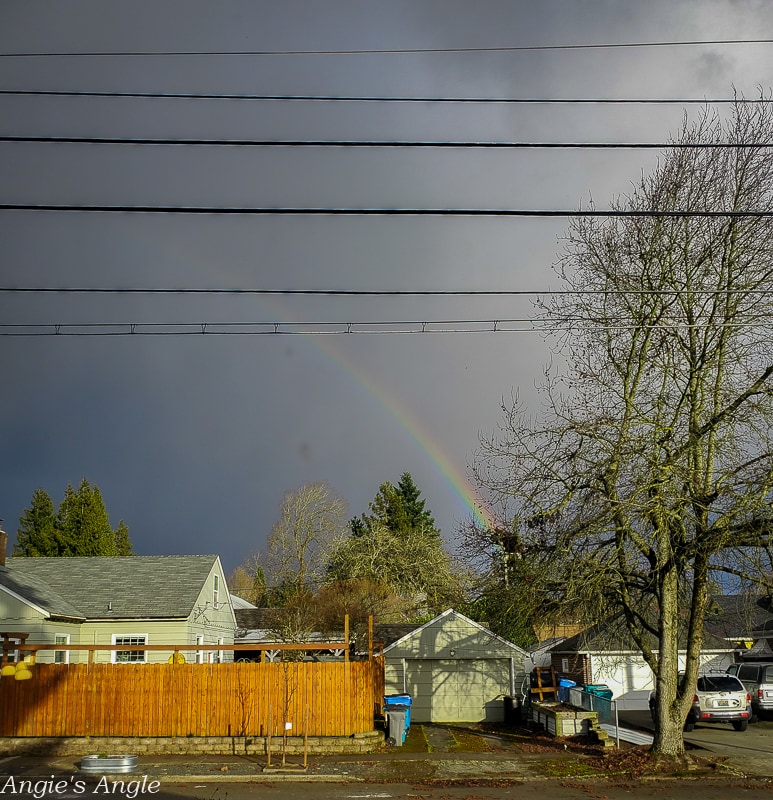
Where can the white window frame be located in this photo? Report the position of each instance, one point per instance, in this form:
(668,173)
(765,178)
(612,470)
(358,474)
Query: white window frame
(220,654)
(133,654)
(216,590)
(13,655)
(61,656)
(200,653)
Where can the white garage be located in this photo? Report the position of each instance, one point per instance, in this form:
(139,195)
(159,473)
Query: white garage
(454,669)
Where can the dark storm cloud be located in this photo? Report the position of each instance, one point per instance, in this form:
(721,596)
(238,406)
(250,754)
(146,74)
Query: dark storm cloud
(194,440)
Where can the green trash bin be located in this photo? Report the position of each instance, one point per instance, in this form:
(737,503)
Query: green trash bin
(599,690)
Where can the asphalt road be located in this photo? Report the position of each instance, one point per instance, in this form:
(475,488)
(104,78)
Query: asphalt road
(704,789)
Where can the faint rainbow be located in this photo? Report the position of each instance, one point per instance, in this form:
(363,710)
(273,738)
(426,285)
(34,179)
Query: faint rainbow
(454,477)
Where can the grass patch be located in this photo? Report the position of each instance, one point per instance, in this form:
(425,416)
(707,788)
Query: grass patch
(415,740)
(468,742)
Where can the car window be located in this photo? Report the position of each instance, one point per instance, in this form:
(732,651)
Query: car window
(719,683)
(748,672)
(767,676)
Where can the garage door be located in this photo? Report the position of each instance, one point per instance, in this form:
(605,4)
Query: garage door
(460,690)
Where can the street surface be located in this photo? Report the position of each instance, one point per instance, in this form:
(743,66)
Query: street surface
(530,790)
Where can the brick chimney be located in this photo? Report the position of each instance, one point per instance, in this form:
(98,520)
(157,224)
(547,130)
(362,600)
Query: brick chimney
(3,544)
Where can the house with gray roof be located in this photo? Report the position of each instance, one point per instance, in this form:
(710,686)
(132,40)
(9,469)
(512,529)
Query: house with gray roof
(605,653)
(130,600)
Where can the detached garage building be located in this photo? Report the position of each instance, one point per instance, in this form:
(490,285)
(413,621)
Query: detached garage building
(455,670)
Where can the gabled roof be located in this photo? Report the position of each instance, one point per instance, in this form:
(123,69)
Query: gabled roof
(737,616)
(389,632)
(613,636)
(451,613)
(126,587)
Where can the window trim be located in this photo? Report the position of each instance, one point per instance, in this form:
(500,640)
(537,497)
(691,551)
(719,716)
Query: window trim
(65,653)
(114,653)
(216,590)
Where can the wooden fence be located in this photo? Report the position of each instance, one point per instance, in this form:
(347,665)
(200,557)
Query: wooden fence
(228,699)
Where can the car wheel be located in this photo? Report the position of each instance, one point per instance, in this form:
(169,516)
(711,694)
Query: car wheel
(688,726)
(741,724)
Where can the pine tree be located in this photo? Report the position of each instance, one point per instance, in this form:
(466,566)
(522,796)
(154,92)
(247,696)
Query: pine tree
(123,545)
(80,527)
(417,515)
(36,535)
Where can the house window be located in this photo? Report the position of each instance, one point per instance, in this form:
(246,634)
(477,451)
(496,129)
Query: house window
(13,655)
(220,656)
(129,656)
(216,591)
(62,656)
(199,653)
(565,665)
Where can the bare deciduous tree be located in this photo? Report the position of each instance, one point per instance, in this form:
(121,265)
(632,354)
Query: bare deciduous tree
(650,474)
(312,517)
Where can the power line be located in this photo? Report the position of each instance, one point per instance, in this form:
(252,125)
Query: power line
(365,292)
(382,51)
(382,143)
(380,212)
(329,98)
(382,328)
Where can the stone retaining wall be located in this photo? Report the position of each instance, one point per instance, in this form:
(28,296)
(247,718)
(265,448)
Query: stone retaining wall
(208,745)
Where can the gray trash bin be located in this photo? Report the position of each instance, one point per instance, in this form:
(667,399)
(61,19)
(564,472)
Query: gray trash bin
(396,729)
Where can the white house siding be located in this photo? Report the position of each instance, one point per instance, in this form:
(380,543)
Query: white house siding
(631,680)
(454,669)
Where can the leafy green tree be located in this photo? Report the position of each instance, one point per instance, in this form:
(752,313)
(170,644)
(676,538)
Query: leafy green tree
(36,535)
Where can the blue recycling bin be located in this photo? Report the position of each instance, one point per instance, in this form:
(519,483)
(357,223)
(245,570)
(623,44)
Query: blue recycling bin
(564,684)
(400,700)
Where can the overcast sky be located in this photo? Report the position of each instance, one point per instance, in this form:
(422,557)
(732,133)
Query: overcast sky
(194,439)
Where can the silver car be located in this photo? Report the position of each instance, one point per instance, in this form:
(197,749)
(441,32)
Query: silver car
(718,698)
(758,680)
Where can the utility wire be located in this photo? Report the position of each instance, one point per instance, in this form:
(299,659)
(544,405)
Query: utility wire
(383,143)
(384,51)
(381,212)
(330,98)
(365,292)
(540,325)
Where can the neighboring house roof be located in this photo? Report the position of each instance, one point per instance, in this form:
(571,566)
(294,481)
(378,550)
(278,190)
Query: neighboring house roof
(240,602)
(613,636)
(388,633)
(259,619)
(126,587)
(737,616)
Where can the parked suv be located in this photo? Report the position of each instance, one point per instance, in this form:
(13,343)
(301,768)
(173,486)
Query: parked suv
(758,681)
(718,698)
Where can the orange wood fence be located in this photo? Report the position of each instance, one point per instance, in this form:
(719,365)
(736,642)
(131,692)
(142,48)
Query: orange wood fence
(228,699)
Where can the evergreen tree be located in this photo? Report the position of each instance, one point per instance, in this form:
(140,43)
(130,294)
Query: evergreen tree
(413,507)
(80,527)
(84,523)
(36,535)
(123,545)
(397,508)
